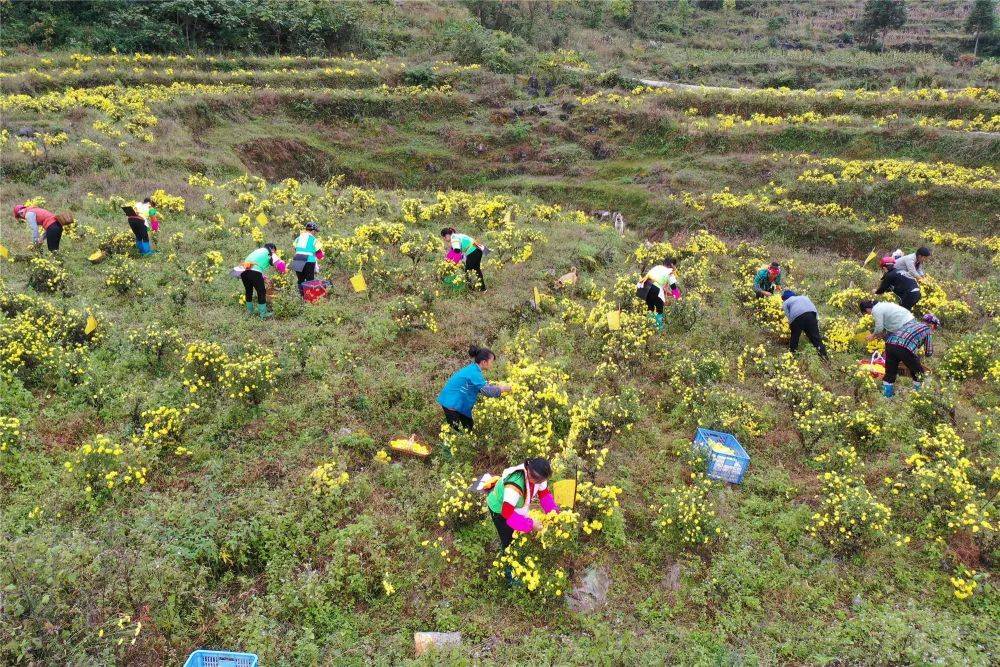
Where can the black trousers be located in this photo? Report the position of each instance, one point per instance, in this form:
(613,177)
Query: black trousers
(254,280)
(53,235)
(138,226)
(307,273)
(808,323)
(473,262)
(654,302)
(505,532)
(909,299)
(894,355)
(457,420)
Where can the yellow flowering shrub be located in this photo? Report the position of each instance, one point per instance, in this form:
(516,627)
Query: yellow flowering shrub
(965,583)
(849,518)
(10,433)
(457,505)
(46,275)
(123,278)
(251,377)
(204,365)
(166,202)
(327,479)
(972,355)
(597,504)
(101,467)
(163,429)
(533,558)
(687,518)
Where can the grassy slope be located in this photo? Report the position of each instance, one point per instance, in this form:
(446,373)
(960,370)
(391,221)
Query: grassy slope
(767,595)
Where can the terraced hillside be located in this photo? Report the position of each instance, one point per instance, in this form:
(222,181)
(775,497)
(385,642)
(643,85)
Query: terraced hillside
(178,474)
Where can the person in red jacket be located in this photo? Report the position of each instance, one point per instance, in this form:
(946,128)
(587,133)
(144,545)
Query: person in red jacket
(38,217)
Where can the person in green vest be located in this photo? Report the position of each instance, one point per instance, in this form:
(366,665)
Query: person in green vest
(469,249)
(307,253)
(255,266)
(509,501)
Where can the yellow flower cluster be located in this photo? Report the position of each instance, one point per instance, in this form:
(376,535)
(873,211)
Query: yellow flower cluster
(457,505)
(937,486)
(46,275)
(849,518)
(833,170)
(599,503)
(163,429)
(123,278)
(204,365)
(167,202)
(10,433)
(39,342)
(965,584)
(327,478)
(102,466)
(978,123)
(687,518)
(251,377)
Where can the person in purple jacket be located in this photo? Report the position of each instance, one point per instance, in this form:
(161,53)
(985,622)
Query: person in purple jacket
(463,388)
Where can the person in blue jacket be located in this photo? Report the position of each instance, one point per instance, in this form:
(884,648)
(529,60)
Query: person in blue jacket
(465,385)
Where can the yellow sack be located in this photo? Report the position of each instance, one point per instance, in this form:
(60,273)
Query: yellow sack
(4,252)
(261,219)
(615,320)
(358,282)
(564,493)
(91,324)
(872,255)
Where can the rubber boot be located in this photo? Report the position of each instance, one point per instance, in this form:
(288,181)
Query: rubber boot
(144,248)
(917,386)
(659,321)
(138,247)
(263,311)
(249,307)
(888,389)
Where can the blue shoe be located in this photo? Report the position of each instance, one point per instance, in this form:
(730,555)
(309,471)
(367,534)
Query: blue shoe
(888,389)
(659,321)
(917,386)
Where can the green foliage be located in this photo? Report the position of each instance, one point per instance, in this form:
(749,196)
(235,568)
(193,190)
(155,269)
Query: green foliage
(881,16)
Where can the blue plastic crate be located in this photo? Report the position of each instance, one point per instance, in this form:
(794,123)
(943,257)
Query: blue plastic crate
(721,464)
(221,659)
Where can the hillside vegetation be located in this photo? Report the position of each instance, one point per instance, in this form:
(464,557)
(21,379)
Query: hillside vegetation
(185,475)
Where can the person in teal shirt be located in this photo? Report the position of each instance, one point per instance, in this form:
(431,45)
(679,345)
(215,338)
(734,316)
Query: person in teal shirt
(463,388)
(767,279)
(471,251)
(255,266)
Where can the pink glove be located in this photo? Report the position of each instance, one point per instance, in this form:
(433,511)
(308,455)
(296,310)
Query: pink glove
(320,254)
(676,292)
(280,266)
(548,503)
(454,256)
(154,224)
(521,523)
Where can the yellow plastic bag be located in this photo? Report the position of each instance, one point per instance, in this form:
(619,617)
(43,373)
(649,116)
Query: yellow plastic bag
(91,324)
(564,493)
(358,282)
(4,252)
(262,219)
(615,320)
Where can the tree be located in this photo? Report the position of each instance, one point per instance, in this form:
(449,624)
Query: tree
(981,19)
(881,15)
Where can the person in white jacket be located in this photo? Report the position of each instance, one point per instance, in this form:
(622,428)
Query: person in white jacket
(889,317)
(913,264)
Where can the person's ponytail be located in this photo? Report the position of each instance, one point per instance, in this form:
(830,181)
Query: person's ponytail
(480,354)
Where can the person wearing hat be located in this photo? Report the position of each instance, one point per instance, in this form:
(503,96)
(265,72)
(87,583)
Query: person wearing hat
(307,253)
(913,264)
(901,346)
(255,266)
(509,501)
(471,251)
(767,279)
(888,317)
(36,217)
(655,284)
(802,317)
(899,283)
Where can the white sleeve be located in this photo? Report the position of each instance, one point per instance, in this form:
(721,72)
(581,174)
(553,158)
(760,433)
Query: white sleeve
(512,495)
(33,223)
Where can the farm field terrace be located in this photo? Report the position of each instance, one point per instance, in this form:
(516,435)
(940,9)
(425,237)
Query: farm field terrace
(185,475)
